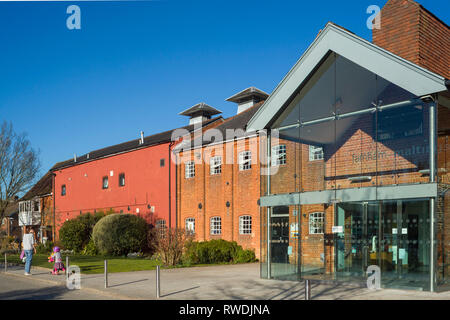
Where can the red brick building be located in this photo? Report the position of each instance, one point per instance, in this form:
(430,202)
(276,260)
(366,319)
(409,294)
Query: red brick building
(219,178)
(135,177)
(35,209)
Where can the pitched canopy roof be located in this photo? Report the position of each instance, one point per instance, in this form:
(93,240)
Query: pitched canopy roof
(200,108)
(248,94)
(333,38)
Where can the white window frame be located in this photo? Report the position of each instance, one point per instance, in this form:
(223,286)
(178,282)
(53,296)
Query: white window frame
(278,155)
(215,225)
(316,222)
(215,165)
(245,224)
(189,169)
(190,225)
(315,153)
(245,160)
(161,227)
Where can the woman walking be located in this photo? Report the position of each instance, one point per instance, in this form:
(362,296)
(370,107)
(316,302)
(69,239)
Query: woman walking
(29,248)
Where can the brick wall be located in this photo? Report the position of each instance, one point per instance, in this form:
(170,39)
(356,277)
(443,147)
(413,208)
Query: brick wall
(205,196)
(413,33)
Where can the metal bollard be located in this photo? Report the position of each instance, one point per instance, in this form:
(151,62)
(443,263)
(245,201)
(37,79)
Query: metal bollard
(106,273)
(67,266)
(307,290)
(6,264)
(158,284)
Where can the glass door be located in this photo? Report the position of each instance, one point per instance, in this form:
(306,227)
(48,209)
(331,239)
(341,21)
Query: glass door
(283,243)
(405,244)
(357,246)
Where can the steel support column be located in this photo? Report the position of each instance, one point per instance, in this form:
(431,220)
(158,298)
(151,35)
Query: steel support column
(432,138)
(269,160)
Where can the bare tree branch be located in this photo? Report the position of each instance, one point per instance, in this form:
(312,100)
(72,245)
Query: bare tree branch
(19,165)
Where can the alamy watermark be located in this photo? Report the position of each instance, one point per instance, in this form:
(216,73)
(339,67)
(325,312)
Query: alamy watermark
(74,20)
(374,278)
(73,280)
(202,145)
(374,20)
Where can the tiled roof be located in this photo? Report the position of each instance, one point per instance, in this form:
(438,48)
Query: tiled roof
(12,209)
(41,188)
(238,121)
(155,139)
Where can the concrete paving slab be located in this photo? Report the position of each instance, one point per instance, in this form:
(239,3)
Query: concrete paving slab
(224,282)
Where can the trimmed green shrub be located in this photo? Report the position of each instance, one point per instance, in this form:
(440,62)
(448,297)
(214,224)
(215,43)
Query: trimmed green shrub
(119,234)
(216,251)
(244,256)
(76,233)
(90,249)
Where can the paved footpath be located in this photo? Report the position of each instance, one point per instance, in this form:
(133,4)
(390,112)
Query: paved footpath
(20,288)
(227,282)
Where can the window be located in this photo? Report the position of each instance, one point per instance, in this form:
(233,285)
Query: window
(245,160)
(189,169)
(105,183)
(190,225)
(216,225)
(63,190)
(162,162)
(161,228)
(215,165)
(121,179)
(278,155)
(245,225)
(36,206)
(399,123)
(316,223)
(315,153)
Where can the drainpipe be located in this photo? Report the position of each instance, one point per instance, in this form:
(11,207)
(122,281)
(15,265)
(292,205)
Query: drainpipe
(176,192)
(169,160)
(54,207)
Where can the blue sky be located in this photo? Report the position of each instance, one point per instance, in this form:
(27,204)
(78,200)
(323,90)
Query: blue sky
(135,65)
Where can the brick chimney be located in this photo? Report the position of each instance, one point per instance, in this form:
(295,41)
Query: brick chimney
(415,34)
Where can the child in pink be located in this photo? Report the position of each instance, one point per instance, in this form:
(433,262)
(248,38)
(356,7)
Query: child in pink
(57,258)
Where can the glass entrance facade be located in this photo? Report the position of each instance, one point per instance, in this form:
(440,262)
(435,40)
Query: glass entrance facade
(394,235)
(359,168)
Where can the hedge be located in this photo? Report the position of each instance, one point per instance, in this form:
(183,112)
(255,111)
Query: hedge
(120,234)
(217,251)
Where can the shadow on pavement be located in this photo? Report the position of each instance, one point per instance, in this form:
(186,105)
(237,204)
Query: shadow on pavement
(169,294)
(34,294)
(122,284)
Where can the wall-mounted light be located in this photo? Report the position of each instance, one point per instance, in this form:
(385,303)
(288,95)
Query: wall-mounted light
(228,204)
(199,205)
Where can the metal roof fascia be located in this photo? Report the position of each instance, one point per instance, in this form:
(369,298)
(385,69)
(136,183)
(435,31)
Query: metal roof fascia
(359,51)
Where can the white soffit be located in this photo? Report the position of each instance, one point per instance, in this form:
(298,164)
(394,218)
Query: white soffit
(395,69)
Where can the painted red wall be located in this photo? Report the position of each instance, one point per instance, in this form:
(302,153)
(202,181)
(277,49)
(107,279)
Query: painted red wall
(146,183)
